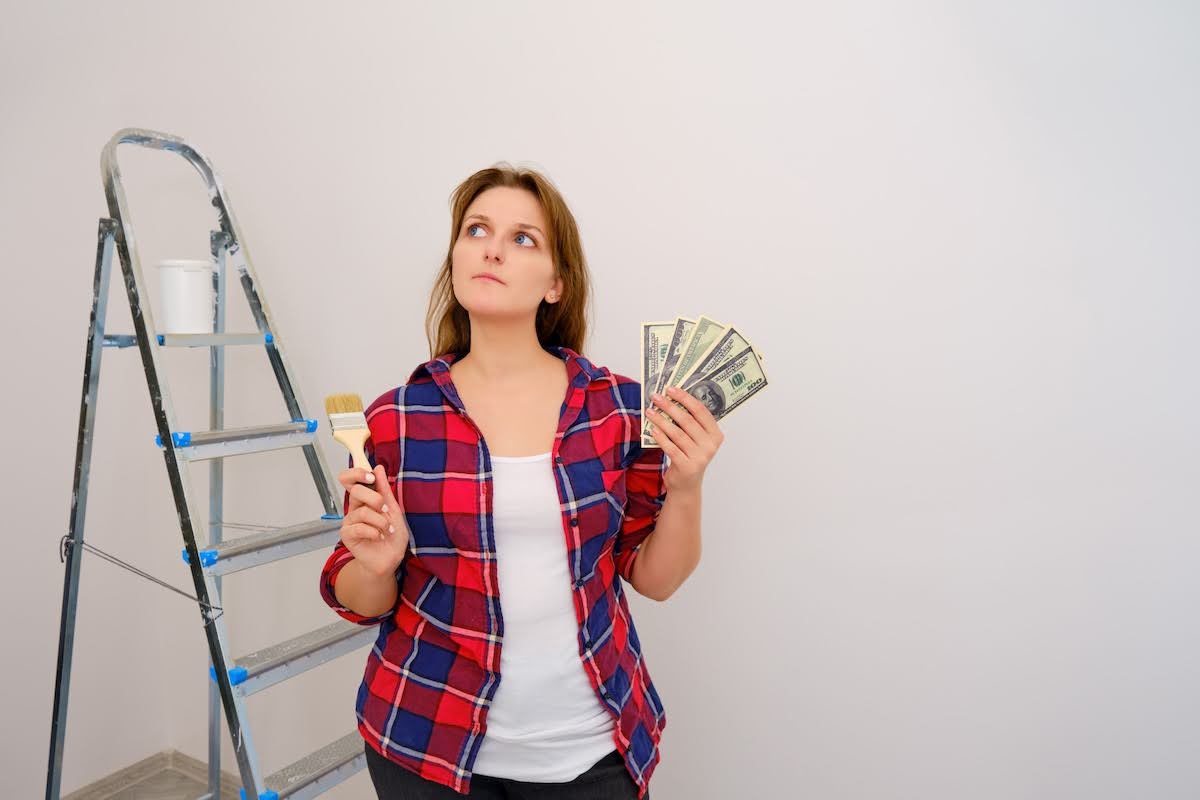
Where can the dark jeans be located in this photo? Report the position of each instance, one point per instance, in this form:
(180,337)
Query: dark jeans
(607,779)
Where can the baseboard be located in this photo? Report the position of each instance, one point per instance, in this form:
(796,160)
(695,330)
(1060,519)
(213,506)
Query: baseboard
(172,760)
(231,784)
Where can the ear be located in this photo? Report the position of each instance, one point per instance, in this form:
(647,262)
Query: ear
(556,292)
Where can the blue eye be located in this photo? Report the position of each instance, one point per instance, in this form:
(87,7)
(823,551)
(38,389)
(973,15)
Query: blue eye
(532,241)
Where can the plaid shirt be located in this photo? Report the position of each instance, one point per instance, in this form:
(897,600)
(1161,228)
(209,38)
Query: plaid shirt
(435,666)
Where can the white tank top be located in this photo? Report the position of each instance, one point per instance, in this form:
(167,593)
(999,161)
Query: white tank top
(545,723)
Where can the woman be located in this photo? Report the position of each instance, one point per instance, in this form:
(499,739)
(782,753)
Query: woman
(510,467)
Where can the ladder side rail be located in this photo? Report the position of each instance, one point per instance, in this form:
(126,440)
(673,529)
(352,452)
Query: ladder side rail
(325,480)
(83,460)
(218,241)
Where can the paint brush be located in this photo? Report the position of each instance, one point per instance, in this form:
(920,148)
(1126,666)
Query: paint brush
(349,425)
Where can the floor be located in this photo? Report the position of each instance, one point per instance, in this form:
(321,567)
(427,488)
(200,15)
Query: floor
(169,784)
(168,775)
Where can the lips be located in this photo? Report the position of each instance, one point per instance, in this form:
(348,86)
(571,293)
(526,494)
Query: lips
(489,276)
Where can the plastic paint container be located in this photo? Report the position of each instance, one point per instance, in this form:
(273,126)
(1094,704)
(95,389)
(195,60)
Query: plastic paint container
(186,295)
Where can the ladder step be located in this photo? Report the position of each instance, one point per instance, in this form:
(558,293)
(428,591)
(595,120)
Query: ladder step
(256,671)
(256,549)
(240,441)
(210,339)
(191,339)
(318,772)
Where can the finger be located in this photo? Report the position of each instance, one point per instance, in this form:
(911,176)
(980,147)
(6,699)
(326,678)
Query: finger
(673,435)
(676,434)
(366,496)
(354,475)
(372,518)
(681,416)
(700,411)
(668,447)
(360,533)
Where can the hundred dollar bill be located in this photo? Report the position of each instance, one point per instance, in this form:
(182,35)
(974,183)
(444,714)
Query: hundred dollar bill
(655,337)
(731,384)
(679,336)
(731,343)
(704,335)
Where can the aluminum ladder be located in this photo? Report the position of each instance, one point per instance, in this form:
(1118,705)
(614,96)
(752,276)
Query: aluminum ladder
(232,679)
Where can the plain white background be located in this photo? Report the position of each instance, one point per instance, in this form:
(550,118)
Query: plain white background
(950,553)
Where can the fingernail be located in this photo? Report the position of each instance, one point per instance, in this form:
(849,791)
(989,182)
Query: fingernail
(370,477)
(391,528)
(385,509)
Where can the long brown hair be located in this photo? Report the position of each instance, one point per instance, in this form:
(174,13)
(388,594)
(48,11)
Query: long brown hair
(447,324)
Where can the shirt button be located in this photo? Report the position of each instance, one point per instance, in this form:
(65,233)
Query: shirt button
(574,522)
(558,459)
(579,583)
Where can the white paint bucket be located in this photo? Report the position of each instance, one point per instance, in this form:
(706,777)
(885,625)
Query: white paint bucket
(186,295)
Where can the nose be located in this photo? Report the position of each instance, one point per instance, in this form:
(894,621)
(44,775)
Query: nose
(492,251)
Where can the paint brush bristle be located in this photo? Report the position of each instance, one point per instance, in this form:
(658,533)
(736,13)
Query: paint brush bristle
(343,403)
(349,425)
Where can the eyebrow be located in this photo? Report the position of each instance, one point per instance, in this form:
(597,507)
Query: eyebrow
(487,219)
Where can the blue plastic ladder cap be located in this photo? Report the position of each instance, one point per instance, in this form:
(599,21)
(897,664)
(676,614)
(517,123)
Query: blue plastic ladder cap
(311,424)
(207,557)
(267,795)
(331,516)
(182,439)
(160,338)
(236,675)
(270,338)
(158,440)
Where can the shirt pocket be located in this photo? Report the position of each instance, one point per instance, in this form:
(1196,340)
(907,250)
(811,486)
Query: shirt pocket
(614,487)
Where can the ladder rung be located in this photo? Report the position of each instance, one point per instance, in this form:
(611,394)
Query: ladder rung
(256,549)
(119,340)
(210,339)
(318,772)
(256,671)
(240,441)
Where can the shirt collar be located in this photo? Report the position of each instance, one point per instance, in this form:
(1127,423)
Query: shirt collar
(580,371)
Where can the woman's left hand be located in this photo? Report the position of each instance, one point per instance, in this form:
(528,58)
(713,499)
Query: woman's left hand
(691,442)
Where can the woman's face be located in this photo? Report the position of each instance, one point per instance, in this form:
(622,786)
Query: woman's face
(504,233)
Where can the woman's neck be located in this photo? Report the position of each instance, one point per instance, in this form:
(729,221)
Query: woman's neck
(502,353)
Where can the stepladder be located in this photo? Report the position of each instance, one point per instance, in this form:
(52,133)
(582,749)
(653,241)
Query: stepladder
(207,550)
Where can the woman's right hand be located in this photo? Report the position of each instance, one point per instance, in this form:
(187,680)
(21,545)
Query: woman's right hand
(374,529)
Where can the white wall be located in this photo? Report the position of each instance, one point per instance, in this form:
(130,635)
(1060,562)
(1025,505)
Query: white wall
(949,554)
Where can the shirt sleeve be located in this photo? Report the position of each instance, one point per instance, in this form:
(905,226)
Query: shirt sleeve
(645,493)
(341,555)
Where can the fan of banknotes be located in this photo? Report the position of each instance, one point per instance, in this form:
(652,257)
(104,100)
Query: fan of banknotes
(709,360)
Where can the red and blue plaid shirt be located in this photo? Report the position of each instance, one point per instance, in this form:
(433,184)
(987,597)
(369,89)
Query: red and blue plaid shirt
(435,667)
